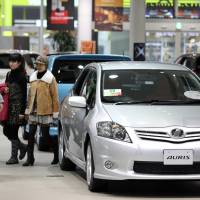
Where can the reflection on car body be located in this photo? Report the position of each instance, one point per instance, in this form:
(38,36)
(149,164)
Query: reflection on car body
(132,120)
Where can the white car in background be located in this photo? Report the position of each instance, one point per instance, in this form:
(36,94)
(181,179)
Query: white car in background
(132,120)
(29,58)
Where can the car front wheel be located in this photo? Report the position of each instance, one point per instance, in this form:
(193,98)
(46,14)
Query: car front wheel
(94,185)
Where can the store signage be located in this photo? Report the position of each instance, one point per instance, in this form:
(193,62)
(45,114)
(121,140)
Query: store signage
(60,17)
(139,51)
(188,8)
(189,3)
(109,15)
(162,3)
(60,14)
(159,8)
(109,3)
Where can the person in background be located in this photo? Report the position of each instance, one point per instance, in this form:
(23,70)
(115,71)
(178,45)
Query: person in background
(17,90)
(42,107)
(29,67)
(45,50)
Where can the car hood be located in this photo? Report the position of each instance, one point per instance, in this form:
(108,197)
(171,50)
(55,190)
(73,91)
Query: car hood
(154,115)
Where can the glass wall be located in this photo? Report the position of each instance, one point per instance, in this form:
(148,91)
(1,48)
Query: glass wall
(113,42)
(190,42)
(160,46)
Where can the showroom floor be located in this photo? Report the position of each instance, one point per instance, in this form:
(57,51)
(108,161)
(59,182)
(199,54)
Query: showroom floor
(48,182)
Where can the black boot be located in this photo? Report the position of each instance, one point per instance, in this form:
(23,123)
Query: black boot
(30,149)
(54,141)
(14,152)
(30,157)
(55,151)
(22,149)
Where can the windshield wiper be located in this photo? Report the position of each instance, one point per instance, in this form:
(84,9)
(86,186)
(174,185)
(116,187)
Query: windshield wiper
(136,102)
(157,102)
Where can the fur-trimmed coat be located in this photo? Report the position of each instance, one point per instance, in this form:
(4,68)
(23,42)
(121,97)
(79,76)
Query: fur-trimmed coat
(43,94)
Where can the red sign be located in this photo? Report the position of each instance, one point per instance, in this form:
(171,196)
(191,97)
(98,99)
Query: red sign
(61,14)
(59,17)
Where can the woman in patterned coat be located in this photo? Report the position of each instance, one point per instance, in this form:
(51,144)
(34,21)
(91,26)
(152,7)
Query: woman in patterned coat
(17,89)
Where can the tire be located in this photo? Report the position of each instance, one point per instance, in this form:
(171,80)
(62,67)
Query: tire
(94,185)
(65,163)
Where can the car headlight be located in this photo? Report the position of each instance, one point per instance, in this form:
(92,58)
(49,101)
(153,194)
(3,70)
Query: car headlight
(113,131)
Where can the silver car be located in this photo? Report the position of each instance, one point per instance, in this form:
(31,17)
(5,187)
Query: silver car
(132,120)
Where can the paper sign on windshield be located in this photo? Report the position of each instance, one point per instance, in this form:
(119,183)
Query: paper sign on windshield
(112,92)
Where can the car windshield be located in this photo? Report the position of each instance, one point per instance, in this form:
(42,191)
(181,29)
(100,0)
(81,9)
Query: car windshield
(148,86)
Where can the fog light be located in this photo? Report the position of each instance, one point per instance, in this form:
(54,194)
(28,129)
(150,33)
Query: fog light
(108,164)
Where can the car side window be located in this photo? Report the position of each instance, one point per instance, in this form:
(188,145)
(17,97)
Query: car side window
(188,62)
(198,63)
(89,88)
(180,60)
(79,82)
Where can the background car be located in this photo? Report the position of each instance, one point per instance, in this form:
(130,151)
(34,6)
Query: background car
(29,58)
(132,120)
(66,68)
(190,60)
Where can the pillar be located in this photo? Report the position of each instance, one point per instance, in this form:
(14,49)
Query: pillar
(84,21)
(137,30)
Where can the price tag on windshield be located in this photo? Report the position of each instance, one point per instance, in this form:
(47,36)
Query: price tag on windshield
(112,92)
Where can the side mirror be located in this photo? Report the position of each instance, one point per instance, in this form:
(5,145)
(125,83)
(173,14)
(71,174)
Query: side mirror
(77,101)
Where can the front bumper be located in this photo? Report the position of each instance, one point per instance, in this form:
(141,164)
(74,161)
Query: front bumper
(125,155)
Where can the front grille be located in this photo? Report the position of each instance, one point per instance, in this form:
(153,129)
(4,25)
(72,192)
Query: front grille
(164,135)
(160,168)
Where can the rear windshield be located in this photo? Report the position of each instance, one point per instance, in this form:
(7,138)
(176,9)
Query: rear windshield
(29,58)
(4,59)
(66,71)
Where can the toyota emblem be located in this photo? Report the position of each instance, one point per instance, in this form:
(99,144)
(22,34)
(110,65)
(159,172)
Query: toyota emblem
(177,133)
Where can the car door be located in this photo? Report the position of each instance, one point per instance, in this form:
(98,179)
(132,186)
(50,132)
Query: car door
(78,126)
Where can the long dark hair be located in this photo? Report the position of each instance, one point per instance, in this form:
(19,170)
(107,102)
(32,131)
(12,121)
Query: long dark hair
(18,74)
(19,58)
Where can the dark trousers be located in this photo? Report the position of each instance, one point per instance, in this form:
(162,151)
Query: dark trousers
(32,132)
(11,131)
(31,140)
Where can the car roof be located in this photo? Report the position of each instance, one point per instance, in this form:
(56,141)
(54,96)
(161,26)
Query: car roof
(190,54)
(140,65)
(10,51)
(92,57)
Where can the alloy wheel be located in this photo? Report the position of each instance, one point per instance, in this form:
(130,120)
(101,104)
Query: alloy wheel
(89,165)
(61,149)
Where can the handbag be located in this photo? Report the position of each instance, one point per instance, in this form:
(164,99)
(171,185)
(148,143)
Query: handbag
(4,112)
